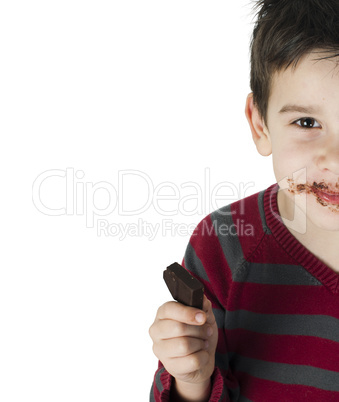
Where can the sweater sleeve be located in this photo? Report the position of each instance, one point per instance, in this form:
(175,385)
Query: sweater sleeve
(161,388)
(204,259)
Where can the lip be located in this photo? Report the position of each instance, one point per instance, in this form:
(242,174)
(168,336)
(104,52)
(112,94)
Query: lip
(330,198)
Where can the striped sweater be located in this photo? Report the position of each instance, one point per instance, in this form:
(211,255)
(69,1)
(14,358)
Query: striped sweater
(275,303)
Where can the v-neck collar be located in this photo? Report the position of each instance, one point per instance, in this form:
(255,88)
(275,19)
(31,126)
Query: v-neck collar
(293,247)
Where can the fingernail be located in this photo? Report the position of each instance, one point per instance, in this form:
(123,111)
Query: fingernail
(209,331)
(206,344)
(199,317)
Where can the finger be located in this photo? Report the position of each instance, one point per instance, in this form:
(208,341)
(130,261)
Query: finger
(207,307)
(166,329)
(180,347)
(184,366)
(179,312)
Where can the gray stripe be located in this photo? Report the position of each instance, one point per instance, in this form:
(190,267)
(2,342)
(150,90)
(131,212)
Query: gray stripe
(262,212)
(221,360)
(275,274)
(151,395)
(288,373)
(223,394)
(219,317)
(158,382)
(234,393)
(222,218)
(194,264)
(321,326)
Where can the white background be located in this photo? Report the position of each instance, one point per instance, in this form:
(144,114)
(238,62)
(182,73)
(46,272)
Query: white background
(98,88)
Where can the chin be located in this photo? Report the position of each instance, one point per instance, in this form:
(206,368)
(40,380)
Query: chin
(323,215)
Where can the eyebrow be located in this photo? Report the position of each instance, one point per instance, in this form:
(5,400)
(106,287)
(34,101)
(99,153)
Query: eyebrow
(298,108)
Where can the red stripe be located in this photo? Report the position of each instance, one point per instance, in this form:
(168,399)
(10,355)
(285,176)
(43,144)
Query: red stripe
(283,299)
(221,346)
(289,349)
(247,220)
(256,389)
(208,249)
(166,380)
(294,248)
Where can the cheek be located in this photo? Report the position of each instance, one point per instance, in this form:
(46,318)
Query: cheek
(288,159)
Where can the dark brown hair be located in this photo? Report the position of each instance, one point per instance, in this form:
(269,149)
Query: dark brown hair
(284,32)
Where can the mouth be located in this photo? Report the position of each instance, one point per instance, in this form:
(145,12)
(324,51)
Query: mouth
(326,195)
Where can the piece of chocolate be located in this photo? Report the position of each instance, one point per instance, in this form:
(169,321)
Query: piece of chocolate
(183,286)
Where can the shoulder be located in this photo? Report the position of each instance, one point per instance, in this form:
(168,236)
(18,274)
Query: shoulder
(232,232)
(224,240)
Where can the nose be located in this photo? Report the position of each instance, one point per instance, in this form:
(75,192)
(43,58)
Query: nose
(328,158)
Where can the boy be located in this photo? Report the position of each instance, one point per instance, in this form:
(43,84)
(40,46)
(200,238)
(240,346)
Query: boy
(269,329)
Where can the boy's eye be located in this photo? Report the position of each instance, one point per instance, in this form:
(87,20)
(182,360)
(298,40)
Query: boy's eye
(307,122)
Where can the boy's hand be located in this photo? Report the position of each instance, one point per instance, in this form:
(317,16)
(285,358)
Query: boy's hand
(185,340)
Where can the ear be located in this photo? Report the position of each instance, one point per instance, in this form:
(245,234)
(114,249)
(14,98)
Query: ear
(259,130)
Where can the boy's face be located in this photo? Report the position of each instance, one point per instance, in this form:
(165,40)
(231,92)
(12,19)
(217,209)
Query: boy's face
(302,132)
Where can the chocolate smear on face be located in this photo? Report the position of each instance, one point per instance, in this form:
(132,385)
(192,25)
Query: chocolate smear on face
(321,186)
(311,188)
